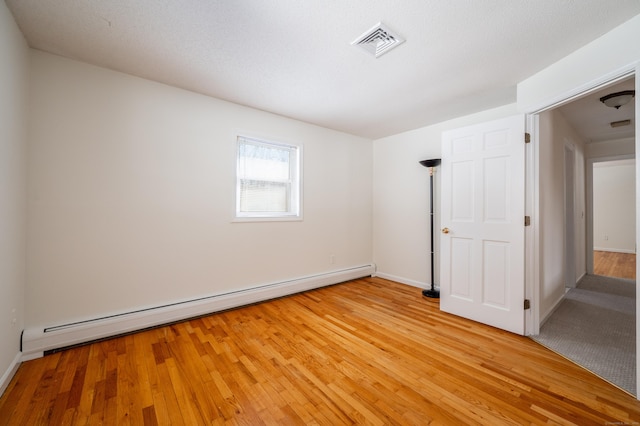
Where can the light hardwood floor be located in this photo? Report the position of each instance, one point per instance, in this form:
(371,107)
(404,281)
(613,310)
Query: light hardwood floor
(610,264)
(368,351)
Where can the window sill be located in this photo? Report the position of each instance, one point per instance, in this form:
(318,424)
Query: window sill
(242,219)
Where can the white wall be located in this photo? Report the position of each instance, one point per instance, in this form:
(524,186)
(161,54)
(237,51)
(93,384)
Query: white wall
(131,196)
(614,206)
(13,115)
(401,198)
(611,148)
(554,134)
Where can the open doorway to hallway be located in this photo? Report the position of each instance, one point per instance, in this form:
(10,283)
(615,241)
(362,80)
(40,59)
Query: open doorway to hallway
(585,199)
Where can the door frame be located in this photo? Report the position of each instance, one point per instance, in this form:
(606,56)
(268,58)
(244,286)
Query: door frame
(589,199)
(570,214)
(532,191)
(532,232)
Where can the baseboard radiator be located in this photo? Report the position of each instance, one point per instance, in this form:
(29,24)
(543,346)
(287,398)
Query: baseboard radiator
(37,341)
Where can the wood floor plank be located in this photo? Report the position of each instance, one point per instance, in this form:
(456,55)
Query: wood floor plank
(614,264)
(368,351)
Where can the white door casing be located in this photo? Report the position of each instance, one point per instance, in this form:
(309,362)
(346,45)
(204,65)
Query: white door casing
(483,209)
(569,215)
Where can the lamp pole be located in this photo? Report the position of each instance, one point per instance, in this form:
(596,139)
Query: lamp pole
(431,164)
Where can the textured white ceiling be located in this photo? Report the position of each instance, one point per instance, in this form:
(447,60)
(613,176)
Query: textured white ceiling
(294,57)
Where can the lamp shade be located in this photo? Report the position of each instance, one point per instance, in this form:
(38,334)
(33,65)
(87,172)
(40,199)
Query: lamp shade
(616,100)
(430,163)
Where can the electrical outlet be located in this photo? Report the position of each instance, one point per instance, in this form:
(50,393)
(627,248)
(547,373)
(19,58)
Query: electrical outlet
(606,238)
(332,259)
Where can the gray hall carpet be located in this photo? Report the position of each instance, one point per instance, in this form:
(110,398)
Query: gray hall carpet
(595,327)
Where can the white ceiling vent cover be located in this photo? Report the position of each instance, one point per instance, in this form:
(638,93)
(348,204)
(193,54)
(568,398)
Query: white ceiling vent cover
(378,40)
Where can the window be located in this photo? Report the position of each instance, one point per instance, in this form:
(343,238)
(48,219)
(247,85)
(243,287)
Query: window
(267,180)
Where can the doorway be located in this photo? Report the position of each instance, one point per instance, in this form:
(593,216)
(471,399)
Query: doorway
(612,187)
(576,140)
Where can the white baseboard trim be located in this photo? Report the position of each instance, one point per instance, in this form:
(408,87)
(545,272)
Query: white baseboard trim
(31,355)
(551,310)
(8,375)
(37,340)
(403,280)
(614,250)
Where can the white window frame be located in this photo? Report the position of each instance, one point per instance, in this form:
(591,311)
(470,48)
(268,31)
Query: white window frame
(294,183)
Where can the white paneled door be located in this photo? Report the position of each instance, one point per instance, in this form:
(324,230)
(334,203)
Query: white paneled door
(482,236)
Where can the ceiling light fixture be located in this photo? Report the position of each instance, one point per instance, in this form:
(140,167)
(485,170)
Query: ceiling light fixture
(616,100)
(378,40)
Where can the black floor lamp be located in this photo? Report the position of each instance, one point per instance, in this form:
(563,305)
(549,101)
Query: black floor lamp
(432,292)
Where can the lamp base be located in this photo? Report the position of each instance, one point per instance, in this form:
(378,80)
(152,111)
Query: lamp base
(434,294)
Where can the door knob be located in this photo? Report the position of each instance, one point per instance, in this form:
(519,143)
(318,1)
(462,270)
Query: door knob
(445,230)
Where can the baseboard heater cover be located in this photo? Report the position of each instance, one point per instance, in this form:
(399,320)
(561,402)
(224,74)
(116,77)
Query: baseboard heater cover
(37,340)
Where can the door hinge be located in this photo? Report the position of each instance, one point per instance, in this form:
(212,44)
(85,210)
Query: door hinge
(527,137)
(527,304)
(527,221)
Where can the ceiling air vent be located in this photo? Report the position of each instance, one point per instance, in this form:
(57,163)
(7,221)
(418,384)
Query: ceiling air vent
(620,123)
(378,40)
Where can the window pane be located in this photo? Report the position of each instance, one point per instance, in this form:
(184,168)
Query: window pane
(260,196)
(262,162)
